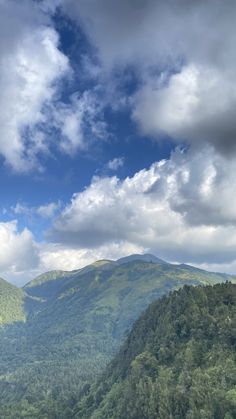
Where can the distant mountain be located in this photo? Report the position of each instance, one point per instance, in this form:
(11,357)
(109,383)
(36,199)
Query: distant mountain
(178,361)
(47,285)
(76,321)
(59,278)
(11,303)
(144,258)
(45,277)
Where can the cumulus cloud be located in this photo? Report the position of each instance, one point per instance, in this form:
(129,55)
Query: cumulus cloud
(196,105)
(55,256)
(173,209)
(184,53)
(204,188)
(181,209)
(31,67)
(184,56)
(34,119)
(18,249)
(185,92)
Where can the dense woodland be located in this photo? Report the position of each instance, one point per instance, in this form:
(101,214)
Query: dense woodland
(178,362)
(11,303)
(62,329)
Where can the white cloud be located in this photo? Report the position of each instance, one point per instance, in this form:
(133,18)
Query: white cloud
(196,105)
(182,209)
(80,123)
(184,55)
(22,258)
(48,210)
(34,120)
(31,67)
(173,209)
(54,256)
(18,249)
(205,186)
(115,163)
(21,208)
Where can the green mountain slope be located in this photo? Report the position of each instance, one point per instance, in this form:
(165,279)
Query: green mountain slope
(11,303)
(98,304)
(179,361)
(76,321)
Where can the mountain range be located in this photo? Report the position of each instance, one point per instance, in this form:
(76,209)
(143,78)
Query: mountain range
(59,331)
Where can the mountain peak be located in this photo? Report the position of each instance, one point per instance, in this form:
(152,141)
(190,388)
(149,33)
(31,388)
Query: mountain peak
(147,257)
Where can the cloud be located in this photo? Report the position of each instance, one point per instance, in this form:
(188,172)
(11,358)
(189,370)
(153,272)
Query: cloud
(115,163)
(21,208)
(45,211)
(34,118)
(80,123)
(120,30)
(184,55)
(18,249)
(178,87)
(181,209)
(48,210)
(158,33)
(204,188)
(31,67)
(188,107)
(50,5)
(173,209)
(54,256)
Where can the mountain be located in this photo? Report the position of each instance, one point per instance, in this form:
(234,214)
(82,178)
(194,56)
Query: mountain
(75,323)
(178,361)
(11,303)
(144,258)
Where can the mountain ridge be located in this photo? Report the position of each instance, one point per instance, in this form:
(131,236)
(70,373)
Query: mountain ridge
(58,283)
(77,320)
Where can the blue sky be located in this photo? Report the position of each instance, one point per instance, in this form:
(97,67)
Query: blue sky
(117,133)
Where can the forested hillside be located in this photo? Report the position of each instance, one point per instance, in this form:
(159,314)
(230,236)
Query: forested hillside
(179,361)
(75,323)
(11,303)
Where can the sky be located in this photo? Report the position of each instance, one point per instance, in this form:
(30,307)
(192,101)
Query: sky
(117,133)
